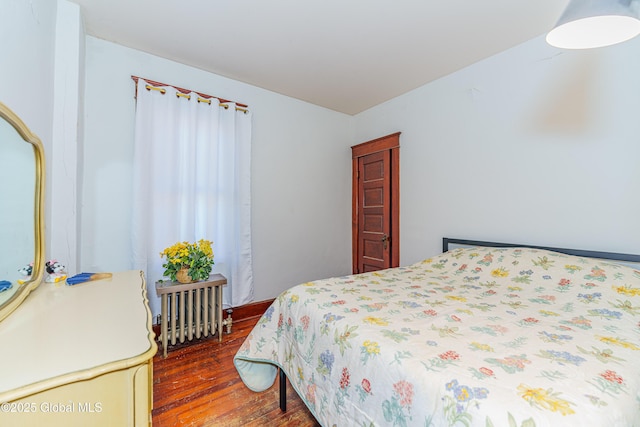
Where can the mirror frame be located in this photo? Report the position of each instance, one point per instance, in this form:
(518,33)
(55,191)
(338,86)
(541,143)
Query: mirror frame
(38,262)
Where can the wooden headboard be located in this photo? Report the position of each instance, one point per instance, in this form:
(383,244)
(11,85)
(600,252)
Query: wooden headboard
(447,242)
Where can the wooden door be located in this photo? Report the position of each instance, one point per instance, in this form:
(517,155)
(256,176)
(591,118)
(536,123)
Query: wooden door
(375,213)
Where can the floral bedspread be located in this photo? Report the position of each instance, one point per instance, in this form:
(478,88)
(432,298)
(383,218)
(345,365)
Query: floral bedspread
(472,337)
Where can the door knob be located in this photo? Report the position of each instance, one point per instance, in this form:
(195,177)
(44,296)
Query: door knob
(385,239)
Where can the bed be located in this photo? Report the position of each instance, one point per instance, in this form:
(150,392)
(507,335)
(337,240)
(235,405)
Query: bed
(485,334)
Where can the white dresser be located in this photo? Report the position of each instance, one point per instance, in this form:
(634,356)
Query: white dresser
(79,355)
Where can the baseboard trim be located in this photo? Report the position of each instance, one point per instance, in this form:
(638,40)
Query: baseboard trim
(251,310)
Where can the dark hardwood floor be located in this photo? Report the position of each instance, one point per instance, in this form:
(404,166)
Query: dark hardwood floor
(198,385)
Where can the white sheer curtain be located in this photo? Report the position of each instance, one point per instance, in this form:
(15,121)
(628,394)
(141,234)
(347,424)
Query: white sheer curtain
(192,163)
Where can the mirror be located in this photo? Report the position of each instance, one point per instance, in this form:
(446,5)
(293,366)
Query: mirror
(21,211)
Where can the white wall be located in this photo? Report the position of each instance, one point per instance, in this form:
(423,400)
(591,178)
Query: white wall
(534,145)
(301,171)
(26,87)
(27,66)
(67,124)
(43,95)
(26,61)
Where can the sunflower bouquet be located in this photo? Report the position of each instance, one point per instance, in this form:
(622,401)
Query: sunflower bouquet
(188,262)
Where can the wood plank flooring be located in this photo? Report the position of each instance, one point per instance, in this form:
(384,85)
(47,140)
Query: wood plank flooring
(198,385)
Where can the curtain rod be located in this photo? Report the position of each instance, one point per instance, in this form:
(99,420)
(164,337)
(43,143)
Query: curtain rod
(187,91)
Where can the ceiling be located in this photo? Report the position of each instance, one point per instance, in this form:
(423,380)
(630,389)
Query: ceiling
(346,55)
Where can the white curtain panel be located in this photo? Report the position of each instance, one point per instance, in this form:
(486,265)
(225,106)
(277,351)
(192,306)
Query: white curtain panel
(192,181)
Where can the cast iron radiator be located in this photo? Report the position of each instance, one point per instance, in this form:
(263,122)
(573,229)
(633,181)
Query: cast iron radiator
(191,310)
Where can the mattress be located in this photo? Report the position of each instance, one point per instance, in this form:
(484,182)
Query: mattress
(472,337)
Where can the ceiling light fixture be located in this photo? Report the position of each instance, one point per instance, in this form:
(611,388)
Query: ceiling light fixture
(589,24)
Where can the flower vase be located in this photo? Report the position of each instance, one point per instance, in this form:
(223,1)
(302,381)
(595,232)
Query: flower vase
(182,275)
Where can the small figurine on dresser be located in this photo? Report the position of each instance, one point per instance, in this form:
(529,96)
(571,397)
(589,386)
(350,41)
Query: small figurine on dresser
(26,271)
(55,271)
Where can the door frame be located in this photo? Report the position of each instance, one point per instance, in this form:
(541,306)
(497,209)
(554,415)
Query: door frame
(392,143)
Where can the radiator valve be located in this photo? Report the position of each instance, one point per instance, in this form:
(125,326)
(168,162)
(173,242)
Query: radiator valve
(228,321)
